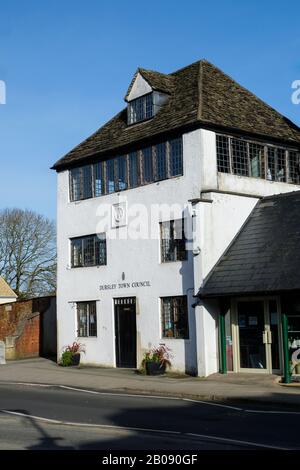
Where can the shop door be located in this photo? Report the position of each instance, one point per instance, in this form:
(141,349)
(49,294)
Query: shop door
(257,345)
(125,332)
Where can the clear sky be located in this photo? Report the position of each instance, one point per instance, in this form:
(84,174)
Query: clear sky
(67,65)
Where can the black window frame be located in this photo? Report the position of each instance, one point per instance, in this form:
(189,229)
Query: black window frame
(127,171)
(173,248)
(98,254)
(89,329)
(171,319)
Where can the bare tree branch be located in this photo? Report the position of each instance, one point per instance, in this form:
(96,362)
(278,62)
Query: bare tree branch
(27,252)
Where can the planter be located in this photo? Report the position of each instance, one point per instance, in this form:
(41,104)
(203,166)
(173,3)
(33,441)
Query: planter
(155,368)
(75,359)
(297,369)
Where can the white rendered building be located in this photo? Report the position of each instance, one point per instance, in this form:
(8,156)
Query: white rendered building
(191,146)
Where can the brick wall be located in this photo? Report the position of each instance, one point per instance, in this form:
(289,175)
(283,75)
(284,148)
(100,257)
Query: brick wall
(20,326)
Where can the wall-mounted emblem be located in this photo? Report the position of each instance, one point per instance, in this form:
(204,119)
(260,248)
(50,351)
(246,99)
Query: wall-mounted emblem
(119,215)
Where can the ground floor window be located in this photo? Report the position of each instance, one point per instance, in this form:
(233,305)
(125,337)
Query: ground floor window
(86,319)
(174,317)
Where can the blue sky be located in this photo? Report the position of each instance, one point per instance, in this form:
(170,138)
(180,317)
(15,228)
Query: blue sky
(67,65)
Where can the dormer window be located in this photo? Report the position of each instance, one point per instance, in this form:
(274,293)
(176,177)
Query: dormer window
(140,109)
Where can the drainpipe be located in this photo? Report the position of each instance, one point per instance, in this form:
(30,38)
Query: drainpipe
(286,359)
(223,362)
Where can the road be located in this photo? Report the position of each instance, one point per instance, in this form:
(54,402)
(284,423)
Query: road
(34,417)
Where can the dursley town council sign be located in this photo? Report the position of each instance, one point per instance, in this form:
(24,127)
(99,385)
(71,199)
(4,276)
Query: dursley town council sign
(125,285)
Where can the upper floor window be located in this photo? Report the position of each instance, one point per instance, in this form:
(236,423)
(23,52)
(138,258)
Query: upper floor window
(86,319)
(140,109)
(173,241)
(148,165)
(88,251)
(257,160)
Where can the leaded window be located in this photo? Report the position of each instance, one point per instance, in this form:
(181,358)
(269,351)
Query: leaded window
(99,188)
(81,183)
(147,165)
(256,156)
(121,173)
(247,158)
(86,319)
(133,170)
(140,109)
(176,157)
(294,167)
(88,251)
(173,241)
(174,317)
(239,157)
(153,163)
(223,154)
(161,161)
(110,176)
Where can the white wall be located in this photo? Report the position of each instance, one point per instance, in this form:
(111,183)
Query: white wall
(215,225)
(139,260)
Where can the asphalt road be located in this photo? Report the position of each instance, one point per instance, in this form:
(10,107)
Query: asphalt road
(79,420)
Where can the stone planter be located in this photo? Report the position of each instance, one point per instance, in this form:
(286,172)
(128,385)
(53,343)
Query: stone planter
(155,368)
(76,359)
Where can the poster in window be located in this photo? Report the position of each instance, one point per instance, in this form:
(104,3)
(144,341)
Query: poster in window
(242,321)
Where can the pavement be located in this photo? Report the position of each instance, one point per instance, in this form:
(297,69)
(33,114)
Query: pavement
(260,389)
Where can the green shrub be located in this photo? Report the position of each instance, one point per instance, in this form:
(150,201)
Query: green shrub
(66,358)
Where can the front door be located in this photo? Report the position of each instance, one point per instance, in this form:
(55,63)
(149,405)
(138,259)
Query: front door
(257,336)
(125,331)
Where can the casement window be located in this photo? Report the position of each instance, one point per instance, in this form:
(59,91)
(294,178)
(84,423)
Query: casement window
(121,173)
(88,251)
(239,157)
(174,317)
(81,183)
(134,176)
(140,109)
(246,158)
(173,241)
(148,165)
(176,157)
(161,161)
(99,183)
(294,167)
(86,319)
(223,154)
(110,176)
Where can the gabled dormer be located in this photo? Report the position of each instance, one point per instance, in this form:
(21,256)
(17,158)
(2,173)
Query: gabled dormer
(147,93)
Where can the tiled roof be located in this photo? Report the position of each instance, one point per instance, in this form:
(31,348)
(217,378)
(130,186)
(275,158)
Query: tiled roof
(265,255)
(200,94)
(158,81)
(5,290)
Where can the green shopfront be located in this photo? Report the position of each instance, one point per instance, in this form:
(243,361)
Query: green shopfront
(260,334)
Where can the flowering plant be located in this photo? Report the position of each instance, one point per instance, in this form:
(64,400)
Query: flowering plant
(75,348)
(161,354)
(70,353)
